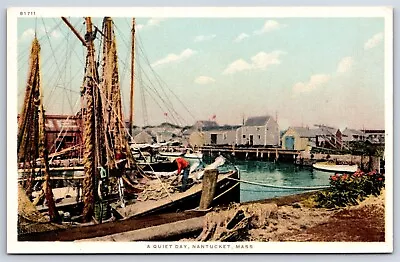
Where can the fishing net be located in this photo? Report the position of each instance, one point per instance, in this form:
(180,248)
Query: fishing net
(234,223)
(30,220)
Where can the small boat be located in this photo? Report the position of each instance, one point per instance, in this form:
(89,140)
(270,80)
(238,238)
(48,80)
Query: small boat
(227,191)
(332,167)
(187,155)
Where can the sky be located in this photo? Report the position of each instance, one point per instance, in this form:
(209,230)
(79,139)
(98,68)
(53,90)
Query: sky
(305,71)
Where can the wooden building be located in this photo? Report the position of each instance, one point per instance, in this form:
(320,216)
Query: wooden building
(304,138)
(260,130)
(63,131)
(375,136)
(298,138)
(222,135)
(143,137)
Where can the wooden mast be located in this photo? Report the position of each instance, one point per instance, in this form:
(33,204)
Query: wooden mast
(28,130)
(114,125)
(132,93)
(48,192)
(31,130)
(89,156)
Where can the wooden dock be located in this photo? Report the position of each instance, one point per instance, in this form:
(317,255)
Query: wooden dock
(251,152)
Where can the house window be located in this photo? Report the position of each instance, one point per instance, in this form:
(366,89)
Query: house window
(244,136)
(259,136)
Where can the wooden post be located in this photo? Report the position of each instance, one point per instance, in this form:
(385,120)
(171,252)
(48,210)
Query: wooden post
(375,163)
(132,92)
(209,187)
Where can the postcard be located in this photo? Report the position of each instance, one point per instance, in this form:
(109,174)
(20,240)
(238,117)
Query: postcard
(200,130)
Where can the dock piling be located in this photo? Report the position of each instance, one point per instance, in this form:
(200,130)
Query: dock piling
(209,186)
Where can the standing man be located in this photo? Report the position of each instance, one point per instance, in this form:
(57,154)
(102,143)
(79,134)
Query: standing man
(183,164)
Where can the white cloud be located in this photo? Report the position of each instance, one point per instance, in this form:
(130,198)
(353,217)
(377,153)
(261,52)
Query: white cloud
(201,38)
(373,41)
(241,37)
(139,27)
(27,34)
(150,23)
(204,80)
(269,25)
(314,82)
(55,34)
(263,60)
(155,21)
(237,66)
(260,61)
(170,58)
(345,64)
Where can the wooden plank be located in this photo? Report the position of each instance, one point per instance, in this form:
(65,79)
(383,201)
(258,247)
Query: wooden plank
(160,232)
(109,228)
(65,168)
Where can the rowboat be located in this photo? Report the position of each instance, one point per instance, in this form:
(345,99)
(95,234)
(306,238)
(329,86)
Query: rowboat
(332,167)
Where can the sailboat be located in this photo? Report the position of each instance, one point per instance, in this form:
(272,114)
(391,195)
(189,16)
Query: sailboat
(109,169)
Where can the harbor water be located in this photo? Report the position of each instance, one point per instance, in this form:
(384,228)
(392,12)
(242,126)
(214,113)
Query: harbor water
(277,174)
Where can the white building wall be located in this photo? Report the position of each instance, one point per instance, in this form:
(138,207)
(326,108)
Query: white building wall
(267,135)
(224,137)
(273,135)
(258,133)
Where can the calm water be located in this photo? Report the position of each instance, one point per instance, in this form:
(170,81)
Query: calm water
(283,174)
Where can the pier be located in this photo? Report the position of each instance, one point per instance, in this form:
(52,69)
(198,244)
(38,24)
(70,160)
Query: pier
(252,152)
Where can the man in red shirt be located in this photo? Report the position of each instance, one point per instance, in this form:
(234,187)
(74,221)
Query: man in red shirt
(183,164)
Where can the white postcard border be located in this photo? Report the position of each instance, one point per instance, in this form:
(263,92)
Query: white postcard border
(13,246)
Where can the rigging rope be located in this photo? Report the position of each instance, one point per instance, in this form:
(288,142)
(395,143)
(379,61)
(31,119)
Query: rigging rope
(160,80)
(174,114)
(59,134)
(281,187)
(167,102)
(143,100)
(126,130)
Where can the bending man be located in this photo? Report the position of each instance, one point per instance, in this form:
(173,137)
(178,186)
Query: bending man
(183,164)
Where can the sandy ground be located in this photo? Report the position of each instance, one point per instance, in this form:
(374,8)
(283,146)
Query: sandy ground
(364,222)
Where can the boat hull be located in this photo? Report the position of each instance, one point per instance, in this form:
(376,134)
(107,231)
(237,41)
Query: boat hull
(336,168)
(188,156)
(227,191)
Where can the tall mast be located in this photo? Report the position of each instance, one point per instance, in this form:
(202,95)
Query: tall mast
(89,156)
(131,113)
(114,125)
(48,192)
(31,130)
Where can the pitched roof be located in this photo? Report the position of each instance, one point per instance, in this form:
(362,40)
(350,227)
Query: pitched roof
(166,124)
(349,132)
(325,130)
(220,128)
(304,131)
(143,137)
(257,121)
(206,123)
